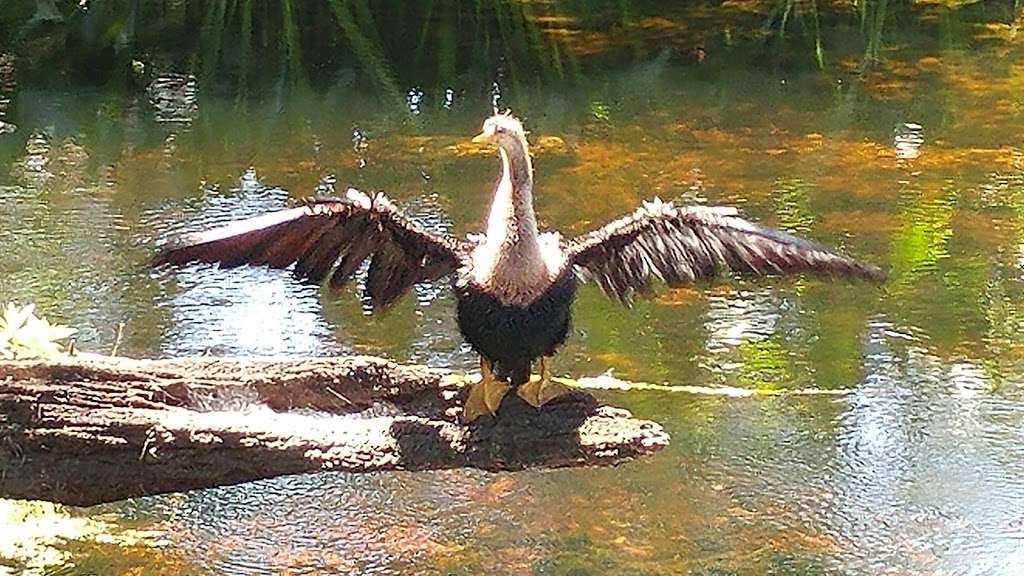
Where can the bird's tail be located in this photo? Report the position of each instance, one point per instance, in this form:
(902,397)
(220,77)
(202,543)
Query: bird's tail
(515,373)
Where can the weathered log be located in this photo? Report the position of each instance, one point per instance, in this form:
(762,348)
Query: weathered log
(89,429)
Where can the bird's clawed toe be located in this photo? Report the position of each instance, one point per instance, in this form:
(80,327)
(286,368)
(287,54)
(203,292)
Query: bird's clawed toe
(486,395)
(539,391)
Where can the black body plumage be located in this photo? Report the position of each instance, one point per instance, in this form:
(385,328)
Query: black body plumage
(514,336)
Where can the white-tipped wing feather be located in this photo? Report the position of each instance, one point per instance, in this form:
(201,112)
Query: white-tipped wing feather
(680,244)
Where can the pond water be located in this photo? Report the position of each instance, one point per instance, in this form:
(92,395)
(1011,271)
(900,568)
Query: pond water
(901,145)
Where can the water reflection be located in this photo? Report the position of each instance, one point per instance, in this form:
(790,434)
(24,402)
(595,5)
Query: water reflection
(739,317)
(916,471)
(32,168)
(246,310)
(925,453)
(173,97)
(907,139)
(7,87)
(49,260)
(365,524)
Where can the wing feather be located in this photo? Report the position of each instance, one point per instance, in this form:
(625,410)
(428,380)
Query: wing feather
(330,236)
(315,263)
(680,245)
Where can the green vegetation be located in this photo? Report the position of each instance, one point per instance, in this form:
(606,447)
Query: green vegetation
(434,44)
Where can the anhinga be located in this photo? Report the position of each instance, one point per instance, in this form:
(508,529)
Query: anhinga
(515,285)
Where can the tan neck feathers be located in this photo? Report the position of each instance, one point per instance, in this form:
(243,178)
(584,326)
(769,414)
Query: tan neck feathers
(510,263)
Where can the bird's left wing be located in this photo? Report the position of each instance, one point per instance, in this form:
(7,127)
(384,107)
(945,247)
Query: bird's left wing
(680,244)
(330,236)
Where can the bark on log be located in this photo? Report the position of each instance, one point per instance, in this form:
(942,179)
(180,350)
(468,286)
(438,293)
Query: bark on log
(89,429)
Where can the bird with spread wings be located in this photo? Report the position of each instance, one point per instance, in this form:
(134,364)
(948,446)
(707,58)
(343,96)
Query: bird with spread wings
(515,284)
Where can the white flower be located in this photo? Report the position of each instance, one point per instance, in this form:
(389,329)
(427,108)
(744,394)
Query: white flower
(23,335)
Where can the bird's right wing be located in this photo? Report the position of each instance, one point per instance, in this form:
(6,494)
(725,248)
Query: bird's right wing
(681,244)
(330,236)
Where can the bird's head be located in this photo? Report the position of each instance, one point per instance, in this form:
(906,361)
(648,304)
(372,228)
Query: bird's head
(501,129)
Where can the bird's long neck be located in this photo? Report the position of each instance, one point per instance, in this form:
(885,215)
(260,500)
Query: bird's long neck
(510,262)
(512,219)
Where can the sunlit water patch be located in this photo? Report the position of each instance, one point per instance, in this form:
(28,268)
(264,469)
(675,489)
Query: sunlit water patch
(907,138)
(246,310)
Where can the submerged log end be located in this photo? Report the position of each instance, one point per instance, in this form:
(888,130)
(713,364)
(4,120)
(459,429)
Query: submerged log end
(86,430)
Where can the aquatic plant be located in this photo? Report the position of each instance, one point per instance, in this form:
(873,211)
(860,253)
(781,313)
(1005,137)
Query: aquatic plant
(872,15)
(25,335)
(239,43)
(806,13)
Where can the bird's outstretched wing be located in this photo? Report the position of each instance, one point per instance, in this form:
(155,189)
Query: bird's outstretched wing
(680,244)
(330,236)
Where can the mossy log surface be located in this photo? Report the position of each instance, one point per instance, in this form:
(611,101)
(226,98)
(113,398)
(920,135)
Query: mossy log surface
(84,430)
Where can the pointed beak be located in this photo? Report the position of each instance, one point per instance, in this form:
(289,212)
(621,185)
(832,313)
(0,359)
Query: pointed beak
(481,138)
